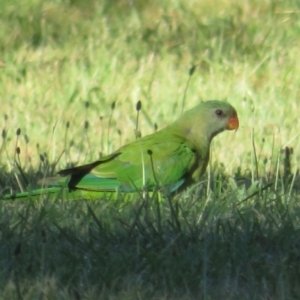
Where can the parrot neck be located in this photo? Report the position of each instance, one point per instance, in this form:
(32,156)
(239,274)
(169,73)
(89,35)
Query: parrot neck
(195,137)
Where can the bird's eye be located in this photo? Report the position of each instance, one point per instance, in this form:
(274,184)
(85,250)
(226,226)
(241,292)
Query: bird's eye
(219,112)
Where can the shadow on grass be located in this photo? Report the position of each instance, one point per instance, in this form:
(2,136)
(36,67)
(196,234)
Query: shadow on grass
(197,245)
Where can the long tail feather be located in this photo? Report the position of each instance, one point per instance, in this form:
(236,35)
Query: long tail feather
(53,193)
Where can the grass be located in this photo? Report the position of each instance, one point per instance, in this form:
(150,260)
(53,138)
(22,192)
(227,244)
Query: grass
(71,76)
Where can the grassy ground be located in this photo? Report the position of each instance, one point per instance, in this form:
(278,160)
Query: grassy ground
(63,65)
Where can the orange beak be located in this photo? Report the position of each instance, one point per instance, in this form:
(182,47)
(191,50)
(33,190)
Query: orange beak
(233,123)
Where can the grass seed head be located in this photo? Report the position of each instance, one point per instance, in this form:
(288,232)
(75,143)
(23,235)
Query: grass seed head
(113,105)
(3,133)
(192,70)
(139,105)
(42,158)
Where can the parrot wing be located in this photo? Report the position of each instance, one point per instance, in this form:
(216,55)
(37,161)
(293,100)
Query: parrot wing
(160,160)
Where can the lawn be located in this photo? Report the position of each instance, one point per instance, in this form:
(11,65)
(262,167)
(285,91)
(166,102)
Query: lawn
(71,73)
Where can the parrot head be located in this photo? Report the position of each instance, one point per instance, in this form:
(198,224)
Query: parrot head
(207,119)
(220,116)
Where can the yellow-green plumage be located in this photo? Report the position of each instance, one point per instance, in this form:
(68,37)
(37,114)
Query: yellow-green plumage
(172,158)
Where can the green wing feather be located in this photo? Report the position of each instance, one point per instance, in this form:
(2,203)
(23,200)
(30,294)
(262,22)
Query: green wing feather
(160,159)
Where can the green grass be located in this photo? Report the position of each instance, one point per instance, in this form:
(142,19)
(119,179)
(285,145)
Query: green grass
(64,63)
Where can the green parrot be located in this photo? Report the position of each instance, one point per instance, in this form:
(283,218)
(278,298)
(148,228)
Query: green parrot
(170,159)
